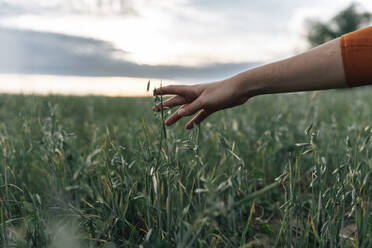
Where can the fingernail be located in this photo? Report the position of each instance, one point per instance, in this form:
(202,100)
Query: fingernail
(181,112)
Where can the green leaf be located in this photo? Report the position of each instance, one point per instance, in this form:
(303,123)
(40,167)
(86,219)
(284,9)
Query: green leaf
(28,206)
(257,173)
(266,228)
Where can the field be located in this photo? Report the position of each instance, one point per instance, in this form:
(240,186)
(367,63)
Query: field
(289,170)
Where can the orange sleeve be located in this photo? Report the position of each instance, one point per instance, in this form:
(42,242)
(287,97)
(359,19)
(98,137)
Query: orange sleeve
(357,57)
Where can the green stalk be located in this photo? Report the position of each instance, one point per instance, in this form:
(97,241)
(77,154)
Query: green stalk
(256,194)
(4,231)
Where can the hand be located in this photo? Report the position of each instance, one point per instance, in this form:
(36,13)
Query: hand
(203,99)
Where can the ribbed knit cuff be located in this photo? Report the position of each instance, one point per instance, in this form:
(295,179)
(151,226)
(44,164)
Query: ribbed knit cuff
(357,57)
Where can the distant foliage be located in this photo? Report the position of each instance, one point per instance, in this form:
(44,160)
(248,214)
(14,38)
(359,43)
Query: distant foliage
(348,20)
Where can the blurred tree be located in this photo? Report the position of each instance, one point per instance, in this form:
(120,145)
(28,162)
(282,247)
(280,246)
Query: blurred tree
(348,20)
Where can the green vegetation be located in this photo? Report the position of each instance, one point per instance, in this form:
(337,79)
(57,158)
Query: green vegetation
(348,20)
(282,170)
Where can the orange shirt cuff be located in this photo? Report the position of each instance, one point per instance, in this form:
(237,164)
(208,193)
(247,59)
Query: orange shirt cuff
(357,57)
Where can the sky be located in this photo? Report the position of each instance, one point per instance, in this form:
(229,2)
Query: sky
(165,39)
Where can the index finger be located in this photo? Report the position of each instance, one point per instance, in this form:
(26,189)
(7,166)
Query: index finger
(171,89)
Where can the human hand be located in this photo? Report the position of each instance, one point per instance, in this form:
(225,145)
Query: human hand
(203,99)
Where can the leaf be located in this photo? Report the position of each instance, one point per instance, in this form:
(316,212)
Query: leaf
(315,232)
(257,173)
(100,225)
(148,235)
(266,228)
(198,191)
(307,130)
(308,151)
(28,206)
(303,144)
(109,245)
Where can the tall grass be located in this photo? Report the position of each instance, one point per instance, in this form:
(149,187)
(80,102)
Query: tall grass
(284,171)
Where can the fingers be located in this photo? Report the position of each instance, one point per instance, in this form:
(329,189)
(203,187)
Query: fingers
(171,102)
(201,116)
(171,89)
(173,118)
(185,110)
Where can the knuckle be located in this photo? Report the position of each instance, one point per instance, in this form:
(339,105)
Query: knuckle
(195,91)
(166,88)
(185,111)
(202,102)
(189,92)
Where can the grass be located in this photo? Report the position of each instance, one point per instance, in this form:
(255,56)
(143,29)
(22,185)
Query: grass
(283,170)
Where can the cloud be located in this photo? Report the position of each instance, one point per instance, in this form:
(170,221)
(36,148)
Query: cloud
(8,9)
(32,52)
(47,7)
(182,32)
(178,32)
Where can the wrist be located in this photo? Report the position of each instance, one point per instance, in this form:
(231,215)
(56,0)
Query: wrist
(246,84)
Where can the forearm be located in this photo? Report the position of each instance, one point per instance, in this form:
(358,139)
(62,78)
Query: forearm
(319,68)
(341,63)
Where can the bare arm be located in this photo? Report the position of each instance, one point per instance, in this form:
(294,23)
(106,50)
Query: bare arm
(317,69)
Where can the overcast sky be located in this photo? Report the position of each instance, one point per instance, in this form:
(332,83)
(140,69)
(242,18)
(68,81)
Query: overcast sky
(155,36)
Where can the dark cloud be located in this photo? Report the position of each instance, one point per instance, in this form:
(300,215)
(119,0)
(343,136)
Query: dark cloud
(32,52)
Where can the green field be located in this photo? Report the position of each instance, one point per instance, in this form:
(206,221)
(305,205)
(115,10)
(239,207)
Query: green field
(288,170)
